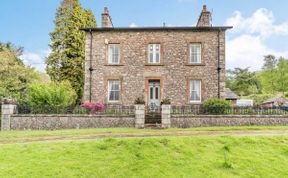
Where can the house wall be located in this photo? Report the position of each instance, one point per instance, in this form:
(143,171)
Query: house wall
(174,70)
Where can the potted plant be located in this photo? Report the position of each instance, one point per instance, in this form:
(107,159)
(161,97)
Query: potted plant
(166,101)
(139,101)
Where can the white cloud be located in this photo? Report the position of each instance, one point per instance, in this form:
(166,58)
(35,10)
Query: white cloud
(250,37)
(133,25)
(36,59)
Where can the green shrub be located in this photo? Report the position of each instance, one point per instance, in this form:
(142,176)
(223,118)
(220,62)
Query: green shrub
(216,106)
(80,110)
(51,94)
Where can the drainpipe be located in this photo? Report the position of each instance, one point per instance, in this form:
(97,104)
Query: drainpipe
(90,66)
(219,67)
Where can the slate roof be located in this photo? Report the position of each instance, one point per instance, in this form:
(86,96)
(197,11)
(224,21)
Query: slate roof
(275,100)
(229,94)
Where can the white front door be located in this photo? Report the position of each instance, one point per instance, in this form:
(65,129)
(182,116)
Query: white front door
(154,93)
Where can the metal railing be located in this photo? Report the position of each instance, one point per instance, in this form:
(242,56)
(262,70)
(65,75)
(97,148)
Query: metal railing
(200,110)
(108,110)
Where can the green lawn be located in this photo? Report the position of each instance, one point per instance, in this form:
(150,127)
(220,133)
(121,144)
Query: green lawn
(29,136)
(149,157)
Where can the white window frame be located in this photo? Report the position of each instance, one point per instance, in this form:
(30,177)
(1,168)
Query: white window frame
(190,91)
(119,83)
(154,53)
(111,55)
(195,53)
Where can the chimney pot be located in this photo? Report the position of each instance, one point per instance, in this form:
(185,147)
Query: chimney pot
(204,8)
(106,10)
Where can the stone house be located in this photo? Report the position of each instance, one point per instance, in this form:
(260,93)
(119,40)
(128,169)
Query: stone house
(184,64)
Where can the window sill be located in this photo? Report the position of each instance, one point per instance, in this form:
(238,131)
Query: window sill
(201,64)
(113,102)
(195,102)
(114,65)
(154,65)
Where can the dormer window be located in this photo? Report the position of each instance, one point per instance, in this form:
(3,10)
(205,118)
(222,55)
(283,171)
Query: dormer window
(154,53)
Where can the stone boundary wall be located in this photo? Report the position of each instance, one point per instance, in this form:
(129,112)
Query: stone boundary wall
(58,122)
(227,120)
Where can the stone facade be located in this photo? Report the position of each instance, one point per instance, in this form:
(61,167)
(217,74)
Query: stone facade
(174,71)
(227,120)
(57,122)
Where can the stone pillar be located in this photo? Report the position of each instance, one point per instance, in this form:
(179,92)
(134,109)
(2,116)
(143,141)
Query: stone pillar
(166,116)
(6,111)
(139,116)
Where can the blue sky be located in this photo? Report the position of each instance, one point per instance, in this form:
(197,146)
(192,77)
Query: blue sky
(260,26)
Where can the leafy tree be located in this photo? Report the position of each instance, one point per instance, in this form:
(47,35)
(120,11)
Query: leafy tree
(14,75)
(270,63)
(274,76)
(243,82)
(66,61)
(51,94)
(282,76)
(268,74)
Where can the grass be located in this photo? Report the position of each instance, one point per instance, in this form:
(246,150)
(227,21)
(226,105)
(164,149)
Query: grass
(29,136)
(220,156)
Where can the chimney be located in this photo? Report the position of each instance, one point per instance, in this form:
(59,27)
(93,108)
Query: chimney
(205,18)
(106,19)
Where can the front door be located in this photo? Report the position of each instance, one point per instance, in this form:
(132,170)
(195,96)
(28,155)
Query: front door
(154,93)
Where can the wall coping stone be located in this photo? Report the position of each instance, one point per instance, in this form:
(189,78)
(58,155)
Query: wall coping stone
(229,116)
(69,115)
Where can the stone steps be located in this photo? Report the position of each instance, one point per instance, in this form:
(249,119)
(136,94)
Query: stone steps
(153,126)
(153,118)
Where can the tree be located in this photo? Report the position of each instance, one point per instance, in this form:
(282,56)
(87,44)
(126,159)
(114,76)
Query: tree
(14,75)
(51,94)
(243,82)
(282,76)
(269,74)
(270,62)
(66,61)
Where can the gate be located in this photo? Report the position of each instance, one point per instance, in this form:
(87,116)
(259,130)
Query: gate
(152,114)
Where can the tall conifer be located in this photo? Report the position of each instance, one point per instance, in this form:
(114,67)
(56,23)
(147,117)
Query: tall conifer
(66,60)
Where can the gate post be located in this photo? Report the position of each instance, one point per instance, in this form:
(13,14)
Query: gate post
(139,116)
(6,111)
(166,116)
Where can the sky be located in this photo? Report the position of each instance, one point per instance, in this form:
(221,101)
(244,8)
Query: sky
(260,26)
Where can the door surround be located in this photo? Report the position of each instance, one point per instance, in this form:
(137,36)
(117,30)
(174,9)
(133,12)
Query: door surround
(147,79)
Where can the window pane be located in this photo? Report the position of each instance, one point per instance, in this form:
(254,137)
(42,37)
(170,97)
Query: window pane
(151,93)
(157,57)
(195,88)
(114,89)
(116,95)
(151,57)
(195,56)
(154,53)
(114,53)
(156,93)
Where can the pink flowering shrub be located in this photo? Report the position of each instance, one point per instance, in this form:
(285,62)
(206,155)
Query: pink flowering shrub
(93,107)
